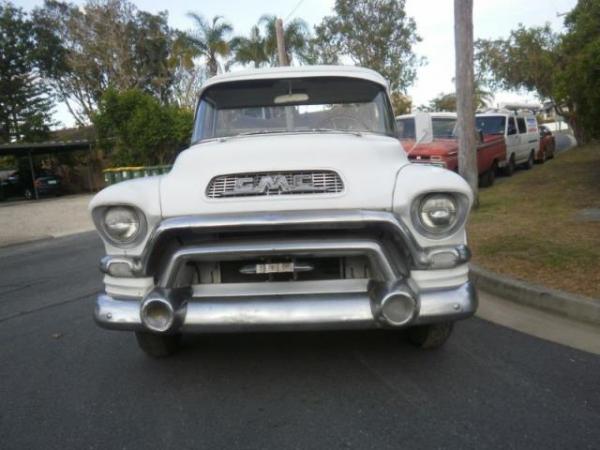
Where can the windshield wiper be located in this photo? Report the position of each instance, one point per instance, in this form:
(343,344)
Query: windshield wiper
(332,130)
(251,133)
(312,130)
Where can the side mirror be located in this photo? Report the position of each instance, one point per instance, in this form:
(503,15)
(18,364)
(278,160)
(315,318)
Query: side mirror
(480,133)
(423,128)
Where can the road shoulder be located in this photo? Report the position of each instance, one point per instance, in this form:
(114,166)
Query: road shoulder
(46,219)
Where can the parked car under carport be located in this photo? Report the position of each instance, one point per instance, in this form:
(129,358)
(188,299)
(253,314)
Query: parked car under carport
(46,185)
(18,185)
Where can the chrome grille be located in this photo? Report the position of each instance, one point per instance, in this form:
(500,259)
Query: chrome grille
(275,183)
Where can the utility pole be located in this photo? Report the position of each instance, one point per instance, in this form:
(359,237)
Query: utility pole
(289,114)
(281,43)
(465,107)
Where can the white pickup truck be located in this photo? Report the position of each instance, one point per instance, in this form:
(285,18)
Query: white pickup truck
(294,208)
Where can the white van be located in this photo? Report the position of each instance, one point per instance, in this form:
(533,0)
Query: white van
(520,130)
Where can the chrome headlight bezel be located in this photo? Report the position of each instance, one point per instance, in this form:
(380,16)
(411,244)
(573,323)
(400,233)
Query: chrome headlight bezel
(461,203)
(99,214)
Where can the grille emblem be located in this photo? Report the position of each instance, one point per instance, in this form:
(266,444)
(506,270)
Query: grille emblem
(274,183)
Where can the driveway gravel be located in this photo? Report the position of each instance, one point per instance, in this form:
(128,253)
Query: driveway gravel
(25,221)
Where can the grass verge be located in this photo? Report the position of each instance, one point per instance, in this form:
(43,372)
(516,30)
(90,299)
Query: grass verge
(530,226)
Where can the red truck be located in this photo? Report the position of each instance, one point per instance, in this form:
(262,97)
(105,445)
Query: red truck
(442,146)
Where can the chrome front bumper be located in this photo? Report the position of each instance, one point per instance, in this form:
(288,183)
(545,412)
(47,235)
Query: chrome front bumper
(389,299)
(348,305)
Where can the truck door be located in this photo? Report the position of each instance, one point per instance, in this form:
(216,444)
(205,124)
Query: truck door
(513,140)
(533,134)
(523,144)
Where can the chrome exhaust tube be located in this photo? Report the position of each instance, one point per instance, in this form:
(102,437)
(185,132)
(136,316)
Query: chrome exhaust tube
(163,310)
(394,305)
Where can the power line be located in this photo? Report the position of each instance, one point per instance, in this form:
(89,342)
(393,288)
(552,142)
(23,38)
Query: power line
(293,10)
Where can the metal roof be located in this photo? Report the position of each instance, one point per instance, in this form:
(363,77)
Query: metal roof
(439,114)
(36,148)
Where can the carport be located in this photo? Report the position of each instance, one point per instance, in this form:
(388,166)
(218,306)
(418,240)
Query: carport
(46,148)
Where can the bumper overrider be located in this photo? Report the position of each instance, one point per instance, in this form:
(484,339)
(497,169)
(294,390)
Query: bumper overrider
(389,299)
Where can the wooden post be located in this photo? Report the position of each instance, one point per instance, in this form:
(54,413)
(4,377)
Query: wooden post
(289,116)
(89,167)
(465,107)
(32,170)
(281,43)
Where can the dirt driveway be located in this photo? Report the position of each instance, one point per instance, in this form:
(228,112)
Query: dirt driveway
(32,220)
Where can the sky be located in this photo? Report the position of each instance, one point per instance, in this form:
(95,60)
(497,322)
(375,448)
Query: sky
(434,18)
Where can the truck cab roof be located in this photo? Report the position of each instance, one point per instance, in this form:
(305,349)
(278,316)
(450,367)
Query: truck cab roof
(275,73)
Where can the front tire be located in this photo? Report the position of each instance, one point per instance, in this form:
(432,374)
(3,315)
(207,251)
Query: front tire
(430,336)
(553,148)
(542,160)
(509,169)
(158,345)
(529,164)
(488,178)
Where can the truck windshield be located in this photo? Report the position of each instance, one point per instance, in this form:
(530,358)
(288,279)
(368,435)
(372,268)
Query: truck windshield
(443,127)
(318,104)
(490,124)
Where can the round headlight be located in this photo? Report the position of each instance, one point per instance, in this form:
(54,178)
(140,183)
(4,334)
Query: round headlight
(438,213)
(122,224)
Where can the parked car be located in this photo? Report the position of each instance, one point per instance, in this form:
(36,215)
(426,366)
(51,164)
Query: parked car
(294,209)
(547,145)
(18,185)
(521,134)
(442,148)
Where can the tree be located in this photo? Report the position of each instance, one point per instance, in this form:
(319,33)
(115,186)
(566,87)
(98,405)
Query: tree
(210,40)
(321,50)
(401,103)
(139,130)
(295,34)
(25,102)
(443,102)
(187,76)
(525,60)
(562,68)
(104,43)
(447,102)
(373,33)
(577,80)
(250,50)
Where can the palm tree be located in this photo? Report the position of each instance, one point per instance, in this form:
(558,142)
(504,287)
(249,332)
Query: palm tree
(210,40)
(250,50)
(483,97)
(295,35)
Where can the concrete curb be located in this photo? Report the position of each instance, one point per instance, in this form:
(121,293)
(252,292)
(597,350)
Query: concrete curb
(577,307)
(41,239)
(30,240)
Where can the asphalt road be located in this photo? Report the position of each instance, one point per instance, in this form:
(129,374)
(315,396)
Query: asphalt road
(64,383)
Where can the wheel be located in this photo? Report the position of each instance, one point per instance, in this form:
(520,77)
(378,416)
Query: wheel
(28,194)
(509,169)
(158,345)
(430,336)
(488,178)
(529,164)
(542,160)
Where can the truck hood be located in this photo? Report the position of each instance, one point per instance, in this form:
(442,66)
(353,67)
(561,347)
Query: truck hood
(438,147)
(367,164)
